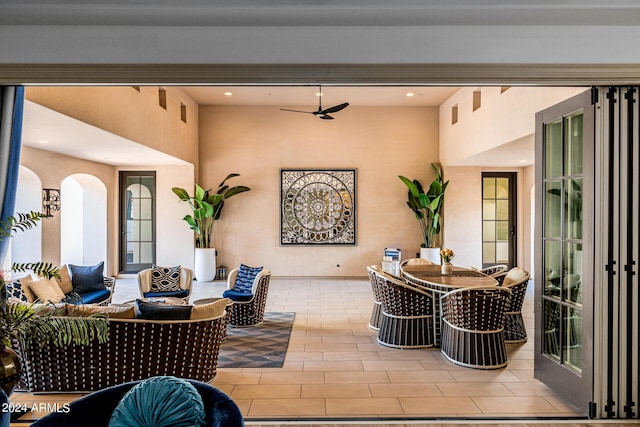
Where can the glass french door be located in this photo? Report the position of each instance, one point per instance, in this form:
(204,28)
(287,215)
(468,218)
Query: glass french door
(564,249)
(499,239)
(137,220)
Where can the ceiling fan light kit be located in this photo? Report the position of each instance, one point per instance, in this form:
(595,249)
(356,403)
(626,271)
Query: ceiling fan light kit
(320,112)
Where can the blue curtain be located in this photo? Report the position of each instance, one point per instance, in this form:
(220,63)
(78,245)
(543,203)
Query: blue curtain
(11,110)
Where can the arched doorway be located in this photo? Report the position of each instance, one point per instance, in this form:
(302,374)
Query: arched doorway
(83,220)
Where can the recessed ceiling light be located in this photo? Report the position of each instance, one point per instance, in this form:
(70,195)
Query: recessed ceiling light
(228,94)
(410,94)
(523,161)
(318,94)
(42,141)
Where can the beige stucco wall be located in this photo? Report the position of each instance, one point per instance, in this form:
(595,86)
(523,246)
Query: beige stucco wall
(463,214)
(381,143)
(501,118)
(174,239)
(129,113)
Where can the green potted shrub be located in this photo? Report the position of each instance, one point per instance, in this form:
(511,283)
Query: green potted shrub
(427,207)
(206,207)
(42,324)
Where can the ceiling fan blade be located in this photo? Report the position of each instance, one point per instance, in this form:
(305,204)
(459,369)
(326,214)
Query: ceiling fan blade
(325,116)
(335,108)
(296,111)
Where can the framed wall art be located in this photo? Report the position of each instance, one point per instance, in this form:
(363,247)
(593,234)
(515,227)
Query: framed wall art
(318,206)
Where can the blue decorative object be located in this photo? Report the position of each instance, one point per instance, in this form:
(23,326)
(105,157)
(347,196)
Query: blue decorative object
(159,311)
(95,409)
(245,278)
(160,402)
(87,278)
(182,293)
(234,295)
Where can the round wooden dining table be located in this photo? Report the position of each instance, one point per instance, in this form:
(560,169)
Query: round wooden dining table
(431,278)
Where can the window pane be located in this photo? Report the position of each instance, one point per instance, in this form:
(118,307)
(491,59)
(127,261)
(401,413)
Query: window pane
(502,231)
(573,154)
(573,214)
(553,209)
(146,253)
(572,282)
(553,149)
(551,345)
(488,231)
(502,210)
(502,253)
(488,209)
(573,338)
(552,268)
(502,188)
(488,188)
(146,209)
(488,253)
(146,230)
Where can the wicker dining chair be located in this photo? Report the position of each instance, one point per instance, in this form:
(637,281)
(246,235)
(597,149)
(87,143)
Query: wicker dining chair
(407,313)
(516,281)
(376,312)
(473,326)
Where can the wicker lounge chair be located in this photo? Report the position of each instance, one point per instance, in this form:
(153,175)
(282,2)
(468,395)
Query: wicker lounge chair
(516,281)
(249,311)
(145,279)
(407,314)
(376,312)
(473,327)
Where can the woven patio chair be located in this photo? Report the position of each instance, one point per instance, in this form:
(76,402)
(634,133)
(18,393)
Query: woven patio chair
(473,327)
(407,314)
(376,312)
(516,281)
(493,270)
(248,309)
(415,261)
(151,282)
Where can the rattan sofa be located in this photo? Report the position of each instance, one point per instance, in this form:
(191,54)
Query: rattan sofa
(137,349)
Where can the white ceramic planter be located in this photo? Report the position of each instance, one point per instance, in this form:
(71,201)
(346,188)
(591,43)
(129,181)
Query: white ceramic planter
(432,254)
(205,264)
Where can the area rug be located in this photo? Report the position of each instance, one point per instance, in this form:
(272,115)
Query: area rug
(262,346)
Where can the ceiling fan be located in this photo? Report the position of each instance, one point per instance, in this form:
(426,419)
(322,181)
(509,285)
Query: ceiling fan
(321,113)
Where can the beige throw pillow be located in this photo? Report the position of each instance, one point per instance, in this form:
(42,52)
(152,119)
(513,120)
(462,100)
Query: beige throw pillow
(111,311)
(207,311)
(46,290)
(24,283)
(65,280)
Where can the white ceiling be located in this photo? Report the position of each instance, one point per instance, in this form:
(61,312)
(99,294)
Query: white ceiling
(72,137)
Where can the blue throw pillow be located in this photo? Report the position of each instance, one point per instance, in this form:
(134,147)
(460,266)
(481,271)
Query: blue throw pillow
(160,402)
(87,278)
(161,311)
(245,278)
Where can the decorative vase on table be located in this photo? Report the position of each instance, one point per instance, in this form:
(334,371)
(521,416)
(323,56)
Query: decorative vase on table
(446,268)
(447,255)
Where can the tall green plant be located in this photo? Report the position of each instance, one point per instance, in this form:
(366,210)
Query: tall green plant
(207,208)
(427,206)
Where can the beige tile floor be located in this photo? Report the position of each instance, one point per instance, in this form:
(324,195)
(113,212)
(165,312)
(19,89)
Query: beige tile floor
(335,369)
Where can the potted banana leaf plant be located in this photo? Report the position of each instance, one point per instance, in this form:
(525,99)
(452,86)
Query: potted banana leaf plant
(206,207)
(427,207)
(41,323)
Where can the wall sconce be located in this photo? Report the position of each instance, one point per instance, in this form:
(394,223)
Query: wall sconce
(50,201)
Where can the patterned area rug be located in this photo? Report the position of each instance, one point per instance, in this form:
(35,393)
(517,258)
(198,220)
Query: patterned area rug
(262,346)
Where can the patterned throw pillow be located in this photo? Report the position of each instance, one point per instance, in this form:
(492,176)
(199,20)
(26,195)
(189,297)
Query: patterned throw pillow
(165,279)
(14,290)
(245,278)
